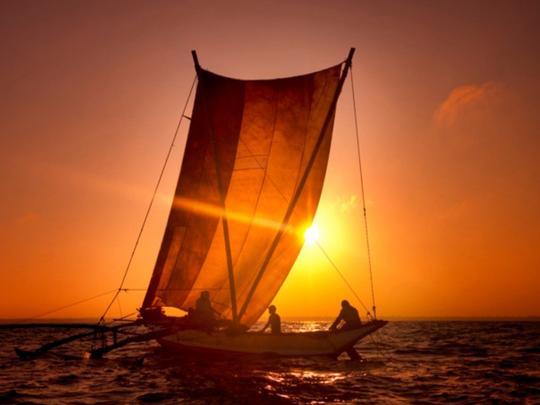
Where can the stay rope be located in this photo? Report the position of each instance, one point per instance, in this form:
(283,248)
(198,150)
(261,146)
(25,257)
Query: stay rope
(374,307)
(68,306)
(126,271)
(342,276)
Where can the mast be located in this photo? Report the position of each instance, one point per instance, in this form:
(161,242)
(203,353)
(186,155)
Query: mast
(224,220)
(301,184)
(154,280)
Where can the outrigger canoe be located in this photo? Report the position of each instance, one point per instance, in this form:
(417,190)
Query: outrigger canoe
(301,344)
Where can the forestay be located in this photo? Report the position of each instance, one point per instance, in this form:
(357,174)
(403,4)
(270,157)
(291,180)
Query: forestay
(247,149)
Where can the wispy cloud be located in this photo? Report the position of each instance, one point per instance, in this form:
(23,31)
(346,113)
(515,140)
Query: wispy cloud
(467,101)
(28,217)
(345,204)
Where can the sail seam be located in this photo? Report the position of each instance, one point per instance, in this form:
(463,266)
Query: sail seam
(306,129)
(265,175)
(304,178)
(299,176)
(224,219)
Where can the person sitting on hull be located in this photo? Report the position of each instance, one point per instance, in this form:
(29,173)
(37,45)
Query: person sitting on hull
(349,319)
(348,316)
(203,315)
(274,321)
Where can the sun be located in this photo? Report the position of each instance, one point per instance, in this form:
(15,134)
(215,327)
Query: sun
(311,235)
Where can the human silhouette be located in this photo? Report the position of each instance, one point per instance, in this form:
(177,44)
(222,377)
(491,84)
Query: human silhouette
(203,313)
(274,321)
(348,316)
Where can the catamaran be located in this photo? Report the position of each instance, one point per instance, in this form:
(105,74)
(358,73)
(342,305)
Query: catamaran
(251,178)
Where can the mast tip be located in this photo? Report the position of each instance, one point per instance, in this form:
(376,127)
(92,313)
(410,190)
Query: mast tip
(195,60)
(350,56)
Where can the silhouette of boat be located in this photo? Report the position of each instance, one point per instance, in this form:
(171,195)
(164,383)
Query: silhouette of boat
(300,344)
(249,185)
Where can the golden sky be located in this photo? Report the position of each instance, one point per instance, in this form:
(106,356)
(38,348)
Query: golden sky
(447,97)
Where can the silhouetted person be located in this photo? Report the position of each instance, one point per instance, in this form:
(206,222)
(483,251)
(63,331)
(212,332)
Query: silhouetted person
(274,321)
(348,315)
(203,313)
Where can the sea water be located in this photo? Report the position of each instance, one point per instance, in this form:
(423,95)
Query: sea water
(405,362)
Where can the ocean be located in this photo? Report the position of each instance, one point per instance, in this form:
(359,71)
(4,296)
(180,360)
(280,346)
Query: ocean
(405,362)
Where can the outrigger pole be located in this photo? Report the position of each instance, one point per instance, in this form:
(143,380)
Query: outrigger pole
(143,337)
(97,329)
(301,184)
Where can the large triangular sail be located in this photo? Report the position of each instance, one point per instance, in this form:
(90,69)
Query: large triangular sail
(256,157)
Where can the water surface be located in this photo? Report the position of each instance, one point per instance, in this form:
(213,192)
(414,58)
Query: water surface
(405,362)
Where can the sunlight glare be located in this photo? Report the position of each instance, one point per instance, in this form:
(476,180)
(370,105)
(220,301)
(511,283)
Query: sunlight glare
(311,235)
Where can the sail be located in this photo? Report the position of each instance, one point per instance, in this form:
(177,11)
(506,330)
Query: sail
(249,145)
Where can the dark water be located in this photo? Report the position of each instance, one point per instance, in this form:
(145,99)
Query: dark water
(406,362)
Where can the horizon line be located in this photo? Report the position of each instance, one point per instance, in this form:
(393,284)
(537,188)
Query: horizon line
(302,318)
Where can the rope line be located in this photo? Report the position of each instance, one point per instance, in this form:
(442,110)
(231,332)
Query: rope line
(68,306)
(126,271)
(124,317)
(374,307)
(342,276)
(119,306)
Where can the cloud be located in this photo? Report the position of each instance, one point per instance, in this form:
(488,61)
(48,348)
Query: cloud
(468,102)
(28,217)
(345,204)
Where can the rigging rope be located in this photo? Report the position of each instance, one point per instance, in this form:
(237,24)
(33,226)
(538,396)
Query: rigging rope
(68,306)
(374,307)
(119,306)
(342,276)
(122,318)
(101,319)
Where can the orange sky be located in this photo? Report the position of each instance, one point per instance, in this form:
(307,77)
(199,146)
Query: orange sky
(447,96)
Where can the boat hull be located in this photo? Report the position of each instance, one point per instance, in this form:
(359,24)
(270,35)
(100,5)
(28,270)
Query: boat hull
(302,344)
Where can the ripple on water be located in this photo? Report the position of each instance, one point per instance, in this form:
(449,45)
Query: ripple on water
(420,362)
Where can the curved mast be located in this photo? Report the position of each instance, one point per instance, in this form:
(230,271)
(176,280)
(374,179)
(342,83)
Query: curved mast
(224,219)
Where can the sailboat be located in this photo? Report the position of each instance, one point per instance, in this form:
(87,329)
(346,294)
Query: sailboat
(250,183)
(251,179)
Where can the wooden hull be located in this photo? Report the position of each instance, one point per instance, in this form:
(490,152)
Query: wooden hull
(323,343)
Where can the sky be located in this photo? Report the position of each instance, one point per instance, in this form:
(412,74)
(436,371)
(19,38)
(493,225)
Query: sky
(447,106)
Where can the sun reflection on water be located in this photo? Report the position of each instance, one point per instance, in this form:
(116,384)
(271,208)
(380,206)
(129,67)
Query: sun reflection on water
(319,377)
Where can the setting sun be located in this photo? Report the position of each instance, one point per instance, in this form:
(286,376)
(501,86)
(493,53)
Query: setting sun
(311,235)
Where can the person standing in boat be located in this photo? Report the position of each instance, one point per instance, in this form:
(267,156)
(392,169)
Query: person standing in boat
(348,316)
(274,321)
